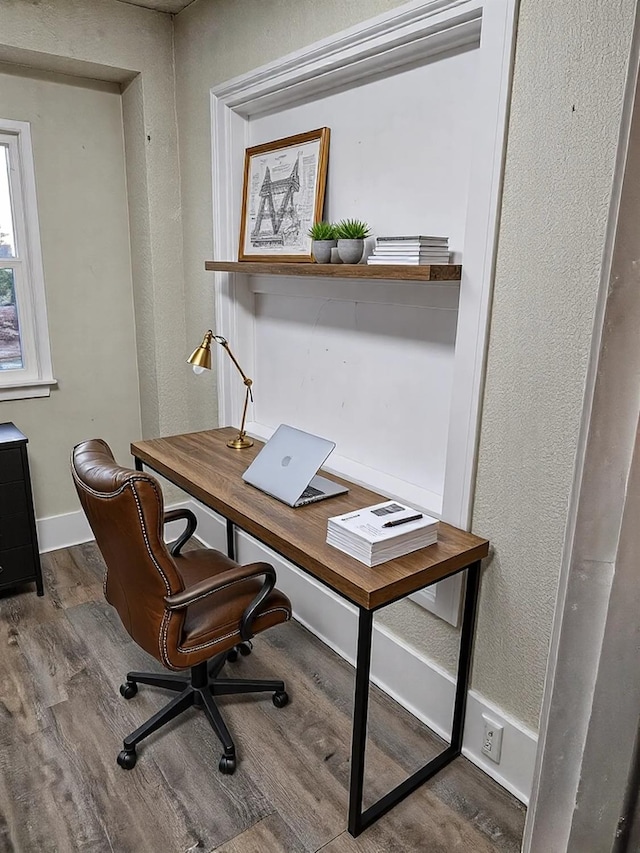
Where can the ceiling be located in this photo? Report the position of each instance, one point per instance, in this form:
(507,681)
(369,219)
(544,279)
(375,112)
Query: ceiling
(173,6)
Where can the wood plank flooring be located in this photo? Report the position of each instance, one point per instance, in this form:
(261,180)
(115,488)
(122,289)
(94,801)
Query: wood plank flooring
(62,719)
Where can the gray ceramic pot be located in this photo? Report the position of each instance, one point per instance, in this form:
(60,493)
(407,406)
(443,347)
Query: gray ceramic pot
(321,250)
(350,251)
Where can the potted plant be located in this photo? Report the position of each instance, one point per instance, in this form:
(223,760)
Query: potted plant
(351,234)
(323,235)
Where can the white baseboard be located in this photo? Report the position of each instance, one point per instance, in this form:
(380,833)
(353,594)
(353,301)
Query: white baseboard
(62,531)
(414,681)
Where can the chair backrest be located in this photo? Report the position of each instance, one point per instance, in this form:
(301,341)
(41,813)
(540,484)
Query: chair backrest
(125,510)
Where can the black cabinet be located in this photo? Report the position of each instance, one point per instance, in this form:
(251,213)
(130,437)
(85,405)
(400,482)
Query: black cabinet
(19,555)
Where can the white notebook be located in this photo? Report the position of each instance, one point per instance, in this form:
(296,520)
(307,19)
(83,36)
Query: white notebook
(382,532)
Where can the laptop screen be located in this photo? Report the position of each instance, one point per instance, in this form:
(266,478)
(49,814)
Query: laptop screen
(287,463)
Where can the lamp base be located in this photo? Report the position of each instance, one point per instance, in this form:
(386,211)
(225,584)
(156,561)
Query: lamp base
(240,442)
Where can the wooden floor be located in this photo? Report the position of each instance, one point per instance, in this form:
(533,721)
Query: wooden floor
(62,658)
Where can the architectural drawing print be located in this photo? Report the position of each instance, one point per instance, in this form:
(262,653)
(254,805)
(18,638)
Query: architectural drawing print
(283,197)
(284,219)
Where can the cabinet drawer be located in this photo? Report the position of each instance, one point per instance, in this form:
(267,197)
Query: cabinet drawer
(15,530)
(17,565)
(13,499)
(11,465)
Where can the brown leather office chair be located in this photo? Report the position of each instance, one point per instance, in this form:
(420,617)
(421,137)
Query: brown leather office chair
(189,610)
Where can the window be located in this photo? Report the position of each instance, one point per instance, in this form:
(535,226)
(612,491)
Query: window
(25,356)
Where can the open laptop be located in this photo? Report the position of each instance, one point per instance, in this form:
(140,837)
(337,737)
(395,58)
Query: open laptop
(286,467)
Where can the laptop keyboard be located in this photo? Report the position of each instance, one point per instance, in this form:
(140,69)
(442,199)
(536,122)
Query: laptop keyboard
(310,492)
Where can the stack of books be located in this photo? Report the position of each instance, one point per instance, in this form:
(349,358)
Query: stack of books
(382,532)
(410,250)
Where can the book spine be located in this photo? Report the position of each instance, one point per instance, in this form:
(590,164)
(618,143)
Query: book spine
(409,250)
(419,239)
(379,263)
(412,254)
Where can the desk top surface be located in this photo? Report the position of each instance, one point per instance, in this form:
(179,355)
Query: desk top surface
(202,465)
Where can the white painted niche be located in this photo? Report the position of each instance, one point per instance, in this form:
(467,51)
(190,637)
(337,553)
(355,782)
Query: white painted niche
(391,371)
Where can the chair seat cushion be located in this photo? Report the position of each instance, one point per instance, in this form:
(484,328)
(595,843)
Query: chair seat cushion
(217,617)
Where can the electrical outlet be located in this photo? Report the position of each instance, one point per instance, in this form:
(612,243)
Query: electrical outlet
(492,739)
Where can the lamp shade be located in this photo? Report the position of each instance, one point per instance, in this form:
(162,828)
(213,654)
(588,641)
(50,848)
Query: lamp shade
(201,357)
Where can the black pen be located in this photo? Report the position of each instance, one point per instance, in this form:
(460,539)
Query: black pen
(402,520)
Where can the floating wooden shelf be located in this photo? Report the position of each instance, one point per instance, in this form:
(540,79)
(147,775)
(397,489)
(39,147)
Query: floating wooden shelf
(395,272)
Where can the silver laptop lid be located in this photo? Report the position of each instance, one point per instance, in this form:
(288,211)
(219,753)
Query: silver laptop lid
(287,463)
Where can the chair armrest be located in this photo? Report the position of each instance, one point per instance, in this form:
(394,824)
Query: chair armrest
(192,523)
(198,591)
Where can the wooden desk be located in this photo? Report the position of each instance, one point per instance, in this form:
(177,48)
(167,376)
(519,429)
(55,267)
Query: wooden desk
(203,466)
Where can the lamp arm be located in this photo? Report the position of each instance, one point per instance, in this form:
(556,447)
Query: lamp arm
(225,344)
(244,412)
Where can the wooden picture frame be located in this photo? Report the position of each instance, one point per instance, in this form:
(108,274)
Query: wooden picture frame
(283,196)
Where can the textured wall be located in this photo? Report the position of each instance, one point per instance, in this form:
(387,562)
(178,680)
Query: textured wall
(570,71)
(568,84)
(107,40)
(78,149)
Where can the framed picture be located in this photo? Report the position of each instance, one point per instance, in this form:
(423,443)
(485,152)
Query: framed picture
(283,196)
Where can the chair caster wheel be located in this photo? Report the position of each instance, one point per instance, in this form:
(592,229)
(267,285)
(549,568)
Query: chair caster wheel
(245,648)
(232,655)
(227,765)
(127,759)
(128,690)
(280,699)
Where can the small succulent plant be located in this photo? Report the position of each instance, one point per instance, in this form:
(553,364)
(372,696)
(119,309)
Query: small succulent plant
(323,231)
(352,229)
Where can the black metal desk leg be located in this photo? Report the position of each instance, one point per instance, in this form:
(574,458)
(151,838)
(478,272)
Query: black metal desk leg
(360,711)
(231,541)
(464,659)
(138,463)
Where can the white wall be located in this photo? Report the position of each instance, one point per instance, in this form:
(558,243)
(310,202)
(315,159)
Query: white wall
(401,145)
(375,378)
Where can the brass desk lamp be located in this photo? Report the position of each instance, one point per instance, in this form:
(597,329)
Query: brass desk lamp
(201,360)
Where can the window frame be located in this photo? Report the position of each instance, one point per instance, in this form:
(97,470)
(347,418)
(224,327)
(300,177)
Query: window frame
(35,377)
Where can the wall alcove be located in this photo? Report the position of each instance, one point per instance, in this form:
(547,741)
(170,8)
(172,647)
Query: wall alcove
(391,369)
